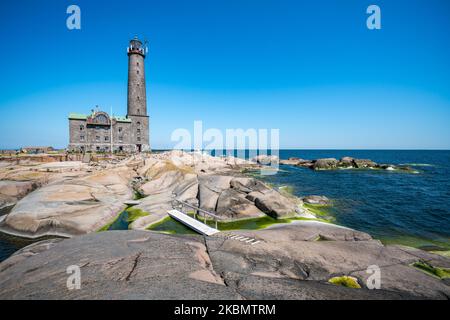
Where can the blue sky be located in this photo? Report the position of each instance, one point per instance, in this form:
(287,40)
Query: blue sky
(309,68)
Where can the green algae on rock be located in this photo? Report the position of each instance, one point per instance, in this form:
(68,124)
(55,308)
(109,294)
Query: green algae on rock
(124,219)
(435,246)
(345,281)
(441,273)
(134,214)
(170,226)
(286,189)
(320,211)
(255,223)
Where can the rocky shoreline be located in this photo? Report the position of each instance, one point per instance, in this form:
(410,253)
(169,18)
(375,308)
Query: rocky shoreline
(298,258)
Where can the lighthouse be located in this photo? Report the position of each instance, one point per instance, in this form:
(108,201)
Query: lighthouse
(137,100)
(103,132)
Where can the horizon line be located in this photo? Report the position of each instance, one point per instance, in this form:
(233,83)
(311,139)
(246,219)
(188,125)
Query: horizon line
(306,149)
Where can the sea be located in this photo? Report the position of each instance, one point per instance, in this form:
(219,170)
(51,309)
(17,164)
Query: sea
(395,207)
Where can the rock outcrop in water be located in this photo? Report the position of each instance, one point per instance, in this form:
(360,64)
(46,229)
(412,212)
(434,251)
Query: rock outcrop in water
(266,159)
(320,200)
(344,163)
(294,261)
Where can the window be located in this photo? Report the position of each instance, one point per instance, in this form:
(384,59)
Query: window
(106,138)
(97,138)
(82,138)
(81,127)
(138,123)
(137,63)
(120,129)
(138,131)
(138,138)
(138,98)
(120,138)
(137,71)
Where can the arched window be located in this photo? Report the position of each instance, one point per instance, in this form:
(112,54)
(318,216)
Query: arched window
(81,127)
(138,123)
(101,118)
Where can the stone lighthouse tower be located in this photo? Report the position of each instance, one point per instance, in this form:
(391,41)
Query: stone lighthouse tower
(137,101)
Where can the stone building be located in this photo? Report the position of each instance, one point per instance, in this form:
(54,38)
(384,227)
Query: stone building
(100,132)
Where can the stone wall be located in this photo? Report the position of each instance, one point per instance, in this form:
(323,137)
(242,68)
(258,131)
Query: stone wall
(137,101)
(98,138)
(139,131)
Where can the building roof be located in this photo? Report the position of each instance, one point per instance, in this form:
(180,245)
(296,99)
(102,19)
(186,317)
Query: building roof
(77,116)
(80,116)
(122,119)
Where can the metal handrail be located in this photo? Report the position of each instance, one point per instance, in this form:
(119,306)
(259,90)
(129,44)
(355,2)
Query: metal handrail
(197,209)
